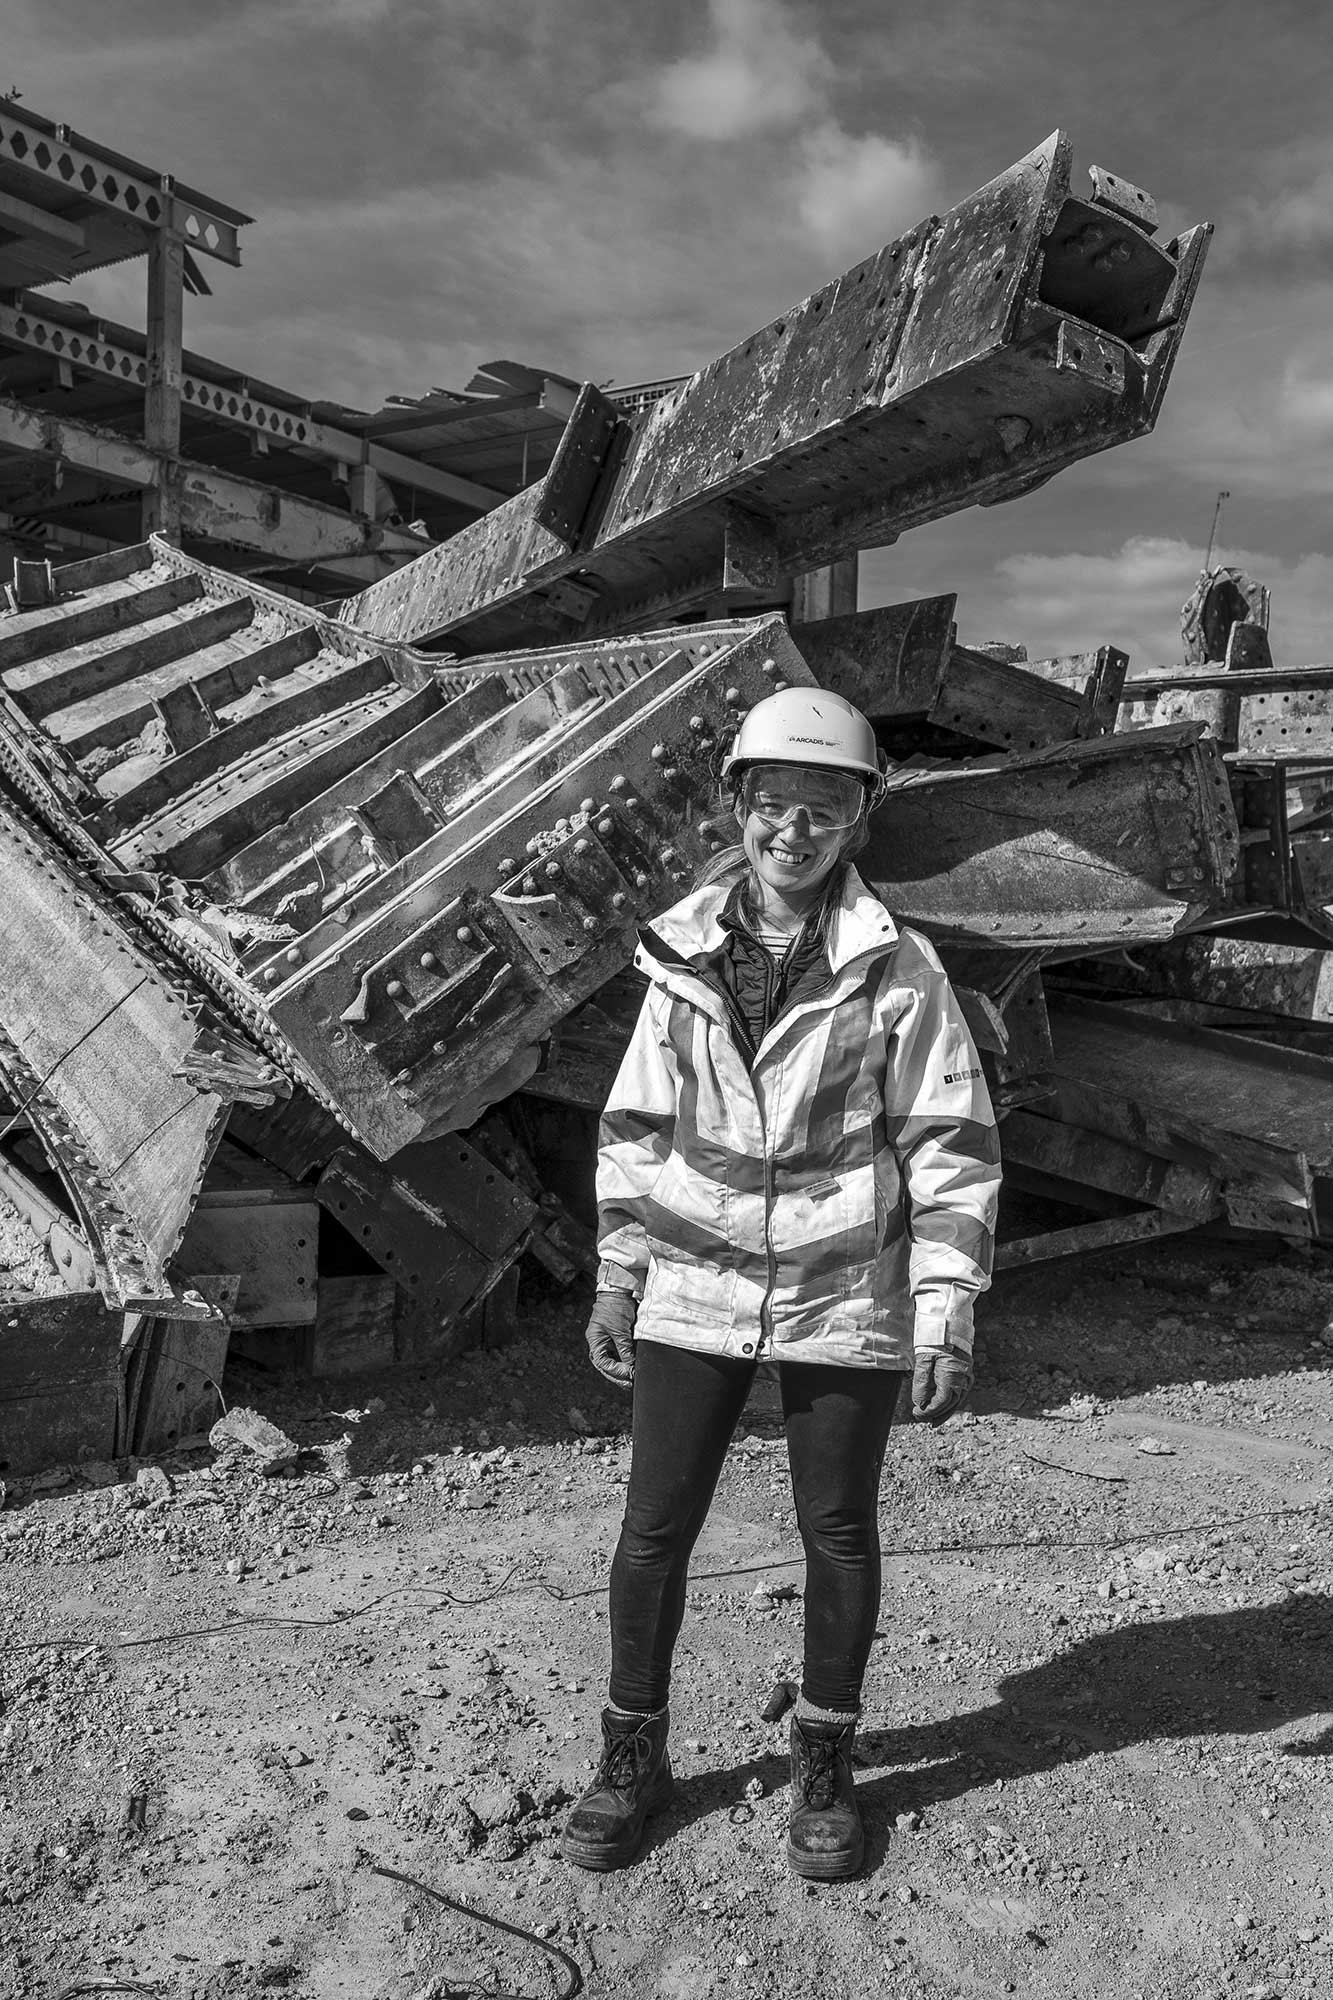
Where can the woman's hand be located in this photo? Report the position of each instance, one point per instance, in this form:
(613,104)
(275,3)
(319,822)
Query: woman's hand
(941,1384)
(610,1337)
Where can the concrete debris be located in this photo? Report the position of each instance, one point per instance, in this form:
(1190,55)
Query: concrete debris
(246,1430)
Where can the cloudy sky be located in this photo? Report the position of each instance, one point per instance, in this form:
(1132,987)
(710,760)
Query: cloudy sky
(618,190)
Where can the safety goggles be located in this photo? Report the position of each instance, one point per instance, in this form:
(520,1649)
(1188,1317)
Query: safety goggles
(832,801)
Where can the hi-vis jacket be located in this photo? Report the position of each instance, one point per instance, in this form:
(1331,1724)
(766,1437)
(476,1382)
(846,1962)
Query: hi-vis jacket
(834,1202)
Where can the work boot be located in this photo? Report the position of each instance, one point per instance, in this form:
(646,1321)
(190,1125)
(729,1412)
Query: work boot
(825,1838)
(605,1829)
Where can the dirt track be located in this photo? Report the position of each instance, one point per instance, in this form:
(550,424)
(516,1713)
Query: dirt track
(1099,1718)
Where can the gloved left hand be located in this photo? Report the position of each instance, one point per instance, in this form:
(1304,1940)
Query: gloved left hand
(610,1336)
(941,1383)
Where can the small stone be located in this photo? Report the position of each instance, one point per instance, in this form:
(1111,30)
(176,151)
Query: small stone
(926,1638)
(153,1483)
(500,1806)
(294,1759)
(908,1822)
(906,1893)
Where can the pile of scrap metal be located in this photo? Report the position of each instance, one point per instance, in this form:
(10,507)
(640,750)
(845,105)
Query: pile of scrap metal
(294,901)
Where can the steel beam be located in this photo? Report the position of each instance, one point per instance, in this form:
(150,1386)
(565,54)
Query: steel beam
(1236,973)
(1085,1238)
(1094,1160)
(161,510)
(214,506)
(964,364)
(429,979)
(93,350)
(140,200)
(1257,1111)
(104,1045)
(1095,843)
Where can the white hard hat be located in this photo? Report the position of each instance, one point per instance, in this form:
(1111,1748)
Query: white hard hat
(811,726)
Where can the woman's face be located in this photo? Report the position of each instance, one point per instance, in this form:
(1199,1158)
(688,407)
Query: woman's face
(796,823)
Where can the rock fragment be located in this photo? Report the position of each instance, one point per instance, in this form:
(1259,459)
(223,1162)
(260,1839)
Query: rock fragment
(246,1430)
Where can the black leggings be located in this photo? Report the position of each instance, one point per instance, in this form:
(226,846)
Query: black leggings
(686,1406)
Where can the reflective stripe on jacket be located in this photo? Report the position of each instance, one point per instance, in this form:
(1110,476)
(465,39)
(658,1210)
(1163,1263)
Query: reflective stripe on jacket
(835,1201)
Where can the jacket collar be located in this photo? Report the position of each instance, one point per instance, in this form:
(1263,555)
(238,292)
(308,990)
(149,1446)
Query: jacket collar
(861,926)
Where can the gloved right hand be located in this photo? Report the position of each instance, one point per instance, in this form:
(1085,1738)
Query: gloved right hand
(610,1337)
(941,1384)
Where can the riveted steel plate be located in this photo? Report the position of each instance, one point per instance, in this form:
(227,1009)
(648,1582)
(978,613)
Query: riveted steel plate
(1095,842)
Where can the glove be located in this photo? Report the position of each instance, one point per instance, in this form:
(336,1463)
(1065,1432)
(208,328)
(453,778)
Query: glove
(610,1337)
(941,1383)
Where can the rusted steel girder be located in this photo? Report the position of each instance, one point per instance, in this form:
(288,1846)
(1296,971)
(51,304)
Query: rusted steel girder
(1115,839)
(1259,715)
(1257,1117)
(1220,600)
(106,1048)
(434,974)
(396,878)
(962,365)
(1234,975)
(900,663)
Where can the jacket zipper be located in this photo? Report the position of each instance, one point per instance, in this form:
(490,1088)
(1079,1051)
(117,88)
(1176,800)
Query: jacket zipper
(772,974)
(766,1303)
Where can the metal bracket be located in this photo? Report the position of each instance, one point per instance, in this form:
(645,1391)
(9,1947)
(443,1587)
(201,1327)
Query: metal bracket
(588,450)
(1098,360)
(566,901)
(1123,198)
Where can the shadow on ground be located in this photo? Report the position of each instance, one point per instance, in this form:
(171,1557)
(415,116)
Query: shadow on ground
(1236,1673)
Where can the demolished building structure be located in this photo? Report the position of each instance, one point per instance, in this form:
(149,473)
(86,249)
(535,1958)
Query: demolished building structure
(303,896)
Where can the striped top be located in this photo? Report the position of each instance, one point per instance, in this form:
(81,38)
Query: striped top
(834,1200)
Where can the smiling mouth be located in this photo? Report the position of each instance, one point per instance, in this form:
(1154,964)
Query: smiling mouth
(787,859)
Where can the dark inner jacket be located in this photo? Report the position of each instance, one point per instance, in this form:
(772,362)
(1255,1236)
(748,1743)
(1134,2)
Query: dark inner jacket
(756,987)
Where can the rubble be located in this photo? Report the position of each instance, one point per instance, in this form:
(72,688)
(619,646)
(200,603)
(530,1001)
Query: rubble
(316,922)
(1051,1762)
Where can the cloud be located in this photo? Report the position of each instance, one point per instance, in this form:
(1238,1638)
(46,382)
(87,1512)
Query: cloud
(1305,404)
(853,194)
(759,74)
(1132,596)
(1285,224)
(850,192)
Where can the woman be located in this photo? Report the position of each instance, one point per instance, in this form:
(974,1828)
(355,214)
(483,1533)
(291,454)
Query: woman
(798,1163)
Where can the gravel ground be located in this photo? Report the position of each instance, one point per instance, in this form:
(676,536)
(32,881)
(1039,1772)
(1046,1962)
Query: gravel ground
(1095,1759)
